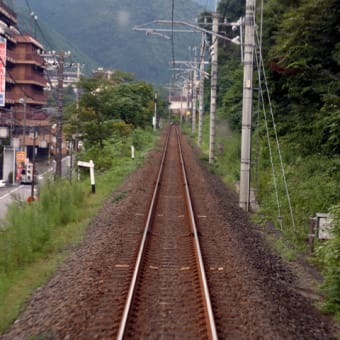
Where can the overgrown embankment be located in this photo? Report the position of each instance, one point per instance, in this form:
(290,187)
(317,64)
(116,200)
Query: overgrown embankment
(313,184)
(36,237)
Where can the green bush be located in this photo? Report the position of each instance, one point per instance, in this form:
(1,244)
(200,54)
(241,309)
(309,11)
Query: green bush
(27,230)
(328,255)
(141,138)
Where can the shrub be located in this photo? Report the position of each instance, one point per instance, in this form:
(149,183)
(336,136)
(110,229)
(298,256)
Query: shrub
(28,228)
(328,255)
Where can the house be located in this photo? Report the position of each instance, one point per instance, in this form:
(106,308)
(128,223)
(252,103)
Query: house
(22,84)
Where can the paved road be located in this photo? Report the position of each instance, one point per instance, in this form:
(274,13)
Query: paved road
(21,192)
(11,193)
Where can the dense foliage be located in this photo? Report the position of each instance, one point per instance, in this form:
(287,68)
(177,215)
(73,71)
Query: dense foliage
(305,63)
(329,257)
(301,57)
(110,111)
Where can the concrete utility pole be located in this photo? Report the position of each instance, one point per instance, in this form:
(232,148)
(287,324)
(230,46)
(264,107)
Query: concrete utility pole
(155,113)
(201,91)
(194,94)
(189,97)
(57,61)
(23,102)
(214,58)
(247,105)
(60,97)
(74,144)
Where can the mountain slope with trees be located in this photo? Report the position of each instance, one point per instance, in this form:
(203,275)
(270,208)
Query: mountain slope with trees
(104,31)
(302,63)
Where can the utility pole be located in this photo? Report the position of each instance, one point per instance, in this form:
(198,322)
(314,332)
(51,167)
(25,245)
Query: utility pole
(247,105)
(201,91)
(155,113)
(58,60)
(23,102)
(75,137)
(194,94)
(60,97)
(33,164)
(189,96)
(182,97)
(214,58)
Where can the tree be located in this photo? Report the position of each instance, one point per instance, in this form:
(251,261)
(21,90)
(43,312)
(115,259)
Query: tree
(305,70)
(105,102)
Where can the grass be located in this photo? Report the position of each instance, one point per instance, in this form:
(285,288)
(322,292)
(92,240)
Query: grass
(313,184)
(227,150)
(35,238)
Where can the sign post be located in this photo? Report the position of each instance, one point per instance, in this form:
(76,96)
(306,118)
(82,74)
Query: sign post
(90,165)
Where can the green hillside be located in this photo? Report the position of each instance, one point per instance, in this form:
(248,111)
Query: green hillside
(53,40)
(104,31)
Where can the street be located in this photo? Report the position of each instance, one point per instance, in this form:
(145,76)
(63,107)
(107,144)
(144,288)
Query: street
(9,194)
(21,192)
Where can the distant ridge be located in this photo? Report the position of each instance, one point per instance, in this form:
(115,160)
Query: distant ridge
(103,31)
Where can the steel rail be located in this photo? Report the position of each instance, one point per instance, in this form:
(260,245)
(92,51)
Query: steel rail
(123,323)
(203,281)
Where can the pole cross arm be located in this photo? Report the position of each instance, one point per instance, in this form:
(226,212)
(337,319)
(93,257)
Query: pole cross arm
(156,30)
(199,29)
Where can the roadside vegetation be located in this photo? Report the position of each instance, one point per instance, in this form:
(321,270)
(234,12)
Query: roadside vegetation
(301,55)
(36,237)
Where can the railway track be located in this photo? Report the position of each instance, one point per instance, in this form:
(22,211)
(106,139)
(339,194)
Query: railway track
(168,296)
(99,293)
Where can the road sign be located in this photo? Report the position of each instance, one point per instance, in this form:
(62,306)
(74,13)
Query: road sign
(20,156)
(89,164)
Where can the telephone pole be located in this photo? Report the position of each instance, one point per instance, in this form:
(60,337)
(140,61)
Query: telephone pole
(201,91)
(194,93)
(247,104)
(214,56)
(60,97)
(155,113)
(57,60)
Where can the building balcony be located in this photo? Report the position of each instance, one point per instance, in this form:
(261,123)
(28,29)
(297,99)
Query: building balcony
(9,80)
(32,97)
(26,58)
(10,56)
(31,78)
(8,14)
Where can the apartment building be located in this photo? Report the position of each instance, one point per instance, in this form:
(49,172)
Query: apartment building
(22,84)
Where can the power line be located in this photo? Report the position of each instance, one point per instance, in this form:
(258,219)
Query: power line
(172,31)
(28,5)
(37,25)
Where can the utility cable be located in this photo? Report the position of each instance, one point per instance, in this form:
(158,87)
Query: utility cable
(41,31)
(276,135)
(28,6)
(269,144)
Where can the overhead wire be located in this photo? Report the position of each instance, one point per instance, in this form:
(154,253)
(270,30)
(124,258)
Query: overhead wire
(47,41)
(261,95)
(263,70)
(36,22)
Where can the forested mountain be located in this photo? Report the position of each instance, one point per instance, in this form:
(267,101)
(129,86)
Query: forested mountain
(104,31)
(301,53)
(207,4)
(53,40)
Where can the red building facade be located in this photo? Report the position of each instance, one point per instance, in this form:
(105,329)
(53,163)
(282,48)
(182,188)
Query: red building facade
(25,83)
